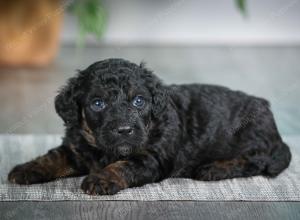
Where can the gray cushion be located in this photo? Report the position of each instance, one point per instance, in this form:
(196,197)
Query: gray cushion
(15,149)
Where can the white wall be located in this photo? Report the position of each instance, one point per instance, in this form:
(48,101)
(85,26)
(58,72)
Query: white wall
(196,22)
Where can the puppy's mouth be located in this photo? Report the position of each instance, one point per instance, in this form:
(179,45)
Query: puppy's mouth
(124,149)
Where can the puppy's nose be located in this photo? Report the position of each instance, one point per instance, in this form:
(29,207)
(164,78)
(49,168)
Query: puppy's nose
(125,130)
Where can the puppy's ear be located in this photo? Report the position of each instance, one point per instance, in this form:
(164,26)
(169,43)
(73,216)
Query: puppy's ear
(159,92)
(67,102)
(160,100)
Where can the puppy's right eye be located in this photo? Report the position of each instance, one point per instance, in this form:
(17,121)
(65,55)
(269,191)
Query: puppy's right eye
(98,105)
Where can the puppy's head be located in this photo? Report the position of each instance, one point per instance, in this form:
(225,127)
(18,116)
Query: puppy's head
(113,103)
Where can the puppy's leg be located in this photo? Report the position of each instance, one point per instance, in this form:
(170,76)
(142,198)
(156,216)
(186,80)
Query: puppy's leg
(123,174)
(57,163)
(238,167)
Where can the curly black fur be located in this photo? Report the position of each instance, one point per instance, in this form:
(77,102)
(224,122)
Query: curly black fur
(203,132)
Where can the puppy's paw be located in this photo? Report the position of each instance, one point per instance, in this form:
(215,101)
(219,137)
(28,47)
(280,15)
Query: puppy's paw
(213,172)
(26,174)
(103,183)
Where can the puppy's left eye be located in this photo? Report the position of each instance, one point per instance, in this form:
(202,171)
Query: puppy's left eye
(138,101)
(98,105)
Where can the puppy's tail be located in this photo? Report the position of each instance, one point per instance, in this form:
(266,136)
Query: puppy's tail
(280,159)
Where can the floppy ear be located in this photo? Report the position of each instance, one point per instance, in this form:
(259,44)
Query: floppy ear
(66,102)
(159,92)
(160,99)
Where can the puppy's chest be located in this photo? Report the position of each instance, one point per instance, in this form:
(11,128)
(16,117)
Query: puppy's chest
(93,160)
(96,164)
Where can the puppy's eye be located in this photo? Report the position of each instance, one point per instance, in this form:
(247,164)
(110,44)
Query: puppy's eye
(138,101)
(98,105)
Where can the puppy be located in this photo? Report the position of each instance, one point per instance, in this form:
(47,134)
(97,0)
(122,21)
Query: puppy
(125,128)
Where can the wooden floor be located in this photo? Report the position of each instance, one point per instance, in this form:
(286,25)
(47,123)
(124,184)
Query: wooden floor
(26,97)
(135,210)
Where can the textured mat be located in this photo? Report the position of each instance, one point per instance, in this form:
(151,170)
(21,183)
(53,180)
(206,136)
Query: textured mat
(21,148)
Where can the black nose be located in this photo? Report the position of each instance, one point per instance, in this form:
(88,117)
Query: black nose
(125,130)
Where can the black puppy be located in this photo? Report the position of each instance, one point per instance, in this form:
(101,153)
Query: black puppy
(124,128)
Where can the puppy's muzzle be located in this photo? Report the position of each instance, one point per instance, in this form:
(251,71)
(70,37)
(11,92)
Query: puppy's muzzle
(123,130)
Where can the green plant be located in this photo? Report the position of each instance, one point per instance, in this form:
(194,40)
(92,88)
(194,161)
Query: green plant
(91,16)
(241,4)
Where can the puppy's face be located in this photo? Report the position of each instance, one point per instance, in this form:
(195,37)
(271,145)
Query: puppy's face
(113,105)
(118,112)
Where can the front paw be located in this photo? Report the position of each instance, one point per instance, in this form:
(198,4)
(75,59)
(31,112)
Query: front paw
(103,183)
(26,174)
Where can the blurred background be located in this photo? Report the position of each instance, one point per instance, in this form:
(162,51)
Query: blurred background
(251,45)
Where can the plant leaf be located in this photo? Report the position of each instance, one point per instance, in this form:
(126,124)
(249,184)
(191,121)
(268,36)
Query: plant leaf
(241,5)
(91,19)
